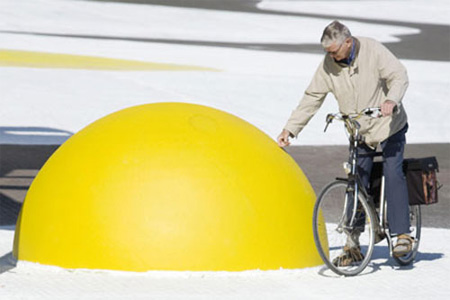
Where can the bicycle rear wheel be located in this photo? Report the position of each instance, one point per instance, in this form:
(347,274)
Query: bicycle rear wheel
(415,218)
(331,228)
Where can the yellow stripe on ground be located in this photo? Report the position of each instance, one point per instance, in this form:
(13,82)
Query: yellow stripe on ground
(31,59)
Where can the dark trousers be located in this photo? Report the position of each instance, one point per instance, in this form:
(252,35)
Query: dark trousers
(395,188)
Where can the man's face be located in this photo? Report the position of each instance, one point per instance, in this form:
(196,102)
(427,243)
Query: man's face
(340,51)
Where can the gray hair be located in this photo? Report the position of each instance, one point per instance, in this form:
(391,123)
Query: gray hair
(334,32)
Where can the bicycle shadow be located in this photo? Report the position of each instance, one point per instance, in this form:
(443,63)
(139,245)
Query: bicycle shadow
(382,252)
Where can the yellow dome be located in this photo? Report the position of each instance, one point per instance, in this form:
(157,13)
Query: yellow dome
(169,186)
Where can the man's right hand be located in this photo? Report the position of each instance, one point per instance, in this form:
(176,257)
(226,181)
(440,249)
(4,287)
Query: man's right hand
(283,138)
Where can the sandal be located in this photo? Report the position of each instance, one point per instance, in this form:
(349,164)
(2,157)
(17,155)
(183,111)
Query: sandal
(348,257)
(403,246)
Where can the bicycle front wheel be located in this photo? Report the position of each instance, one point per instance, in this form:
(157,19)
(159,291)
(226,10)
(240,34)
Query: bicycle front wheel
(333,232)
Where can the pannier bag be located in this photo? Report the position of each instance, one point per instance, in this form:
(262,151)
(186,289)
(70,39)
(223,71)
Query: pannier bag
(421,179)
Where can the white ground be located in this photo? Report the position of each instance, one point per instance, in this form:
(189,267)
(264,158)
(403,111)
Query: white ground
(46,105)
(427,278)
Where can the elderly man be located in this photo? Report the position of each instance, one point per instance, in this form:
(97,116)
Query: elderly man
(362,73)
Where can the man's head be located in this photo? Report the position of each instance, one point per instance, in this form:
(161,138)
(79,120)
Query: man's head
(337,40)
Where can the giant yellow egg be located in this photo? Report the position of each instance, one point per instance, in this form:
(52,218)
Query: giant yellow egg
(169,186)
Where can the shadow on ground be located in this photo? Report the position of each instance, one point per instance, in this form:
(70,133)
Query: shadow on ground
(20,160)
(7,262)
(382,253)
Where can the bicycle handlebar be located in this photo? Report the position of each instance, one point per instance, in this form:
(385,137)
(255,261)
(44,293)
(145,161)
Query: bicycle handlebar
(374,112)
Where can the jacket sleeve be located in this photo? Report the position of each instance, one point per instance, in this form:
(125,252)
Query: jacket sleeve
(310,103)
(393,73)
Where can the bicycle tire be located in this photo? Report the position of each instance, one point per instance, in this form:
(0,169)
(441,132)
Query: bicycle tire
(328,210)
(416,228)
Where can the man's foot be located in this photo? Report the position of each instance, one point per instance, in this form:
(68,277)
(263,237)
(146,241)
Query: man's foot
(348,257)
(403,246)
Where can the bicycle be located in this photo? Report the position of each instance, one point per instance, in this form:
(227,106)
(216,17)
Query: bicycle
(337,216)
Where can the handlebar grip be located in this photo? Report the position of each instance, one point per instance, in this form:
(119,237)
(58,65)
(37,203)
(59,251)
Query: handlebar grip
(329,119)
(396,109)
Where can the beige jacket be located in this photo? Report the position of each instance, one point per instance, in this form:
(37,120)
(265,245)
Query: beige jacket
(375,75)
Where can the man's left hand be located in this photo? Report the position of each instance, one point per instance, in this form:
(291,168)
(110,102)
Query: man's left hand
(387,108)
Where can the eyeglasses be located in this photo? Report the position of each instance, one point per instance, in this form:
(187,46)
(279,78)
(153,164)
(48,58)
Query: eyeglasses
(336,51)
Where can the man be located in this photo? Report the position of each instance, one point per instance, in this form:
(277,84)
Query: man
(362,73)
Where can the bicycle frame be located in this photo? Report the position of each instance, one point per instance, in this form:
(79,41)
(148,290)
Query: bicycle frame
(354,182)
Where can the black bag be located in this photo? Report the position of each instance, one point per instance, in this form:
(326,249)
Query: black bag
(420,178)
